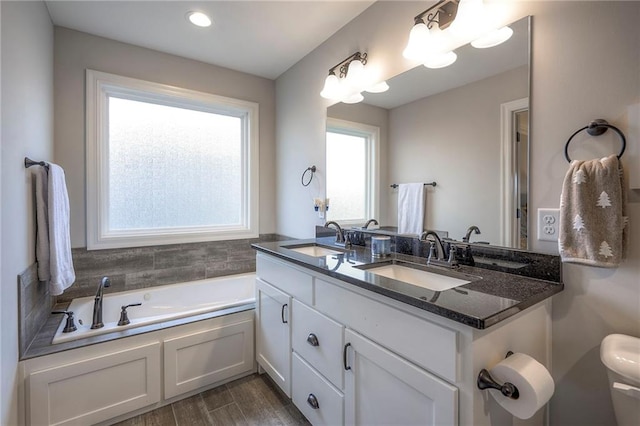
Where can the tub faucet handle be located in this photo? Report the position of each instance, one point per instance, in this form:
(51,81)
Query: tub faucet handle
(70,324)
(124,319)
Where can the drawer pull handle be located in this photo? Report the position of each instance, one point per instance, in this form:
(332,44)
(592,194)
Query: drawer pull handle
(312,339)
(344,357)
(313,401)
(284,321)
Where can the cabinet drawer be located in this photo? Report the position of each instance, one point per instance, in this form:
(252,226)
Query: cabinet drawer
(308,386)
(424,343)
(290,280)
(319,340)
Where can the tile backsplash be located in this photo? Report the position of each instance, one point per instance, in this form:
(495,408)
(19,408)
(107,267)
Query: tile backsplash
(34,305)
(133,268)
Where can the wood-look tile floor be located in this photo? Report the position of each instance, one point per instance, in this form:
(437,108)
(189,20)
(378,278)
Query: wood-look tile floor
(252,400)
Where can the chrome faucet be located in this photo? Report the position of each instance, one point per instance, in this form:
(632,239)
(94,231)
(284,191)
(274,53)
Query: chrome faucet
(97,304)
(369,222)
(438,256)
(471,229)
(341,238)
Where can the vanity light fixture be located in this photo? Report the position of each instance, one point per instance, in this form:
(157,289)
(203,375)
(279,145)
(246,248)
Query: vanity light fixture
(348,78)
(199,19)
(493,38)
(451,23)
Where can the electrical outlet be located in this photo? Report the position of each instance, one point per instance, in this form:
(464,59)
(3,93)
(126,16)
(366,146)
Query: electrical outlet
(548,224)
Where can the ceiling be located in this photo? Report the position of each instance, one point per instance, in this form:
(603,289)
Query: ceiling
(264,38)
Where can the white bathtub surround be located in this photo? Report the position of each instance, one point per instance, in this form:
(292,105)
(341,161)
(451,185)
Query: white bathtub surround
(111,381)
(160,304)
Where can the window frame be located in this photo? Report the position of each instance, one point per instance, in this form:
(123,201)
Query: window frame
(101,85)
(372,167)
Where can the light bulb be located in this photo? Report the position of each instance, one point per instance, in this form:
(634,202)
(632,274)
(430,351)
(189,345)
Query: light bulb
(353,99)
(199,19)
(331,89)
(493,38)
(419,39)
(440,60)
(469,19)
(355,80)
(378,87)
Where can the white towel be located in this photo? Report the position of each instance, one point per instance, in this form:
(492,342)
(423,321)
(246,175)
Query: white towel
(593,217)
(42,223)
(411,208)
(53,250)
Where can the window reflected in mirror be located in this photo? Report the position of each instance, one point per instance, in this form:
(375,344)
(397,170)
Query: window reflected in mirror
(351,171)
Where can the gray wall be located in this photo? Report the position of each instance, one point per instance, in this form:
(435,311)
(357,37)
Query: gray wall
(76,51)
(27,129)
(570,86)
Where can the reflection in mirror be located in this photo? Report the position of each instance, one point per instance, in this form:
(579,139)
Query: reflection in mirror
(465,127)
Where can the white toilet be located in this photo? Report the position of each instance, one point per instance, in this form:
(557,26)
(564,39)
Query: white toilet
(621,355)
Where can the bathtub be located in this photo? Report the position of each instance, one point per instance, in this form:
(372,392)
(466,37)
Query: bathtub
(159,304)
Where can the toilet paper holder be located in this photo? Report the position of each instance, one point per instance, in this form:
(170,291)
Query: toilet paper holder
(485,381)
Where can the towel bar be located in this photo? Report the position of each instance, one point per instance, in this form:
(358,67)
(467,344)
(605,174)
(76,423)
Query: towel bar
(28,162)
(395,185)
(596,128)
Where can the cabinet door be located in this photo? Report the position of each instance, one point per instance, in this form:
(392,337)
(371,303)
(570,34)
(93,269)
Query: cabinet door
(273,337)
(95,389)
(382,388)
(206,357)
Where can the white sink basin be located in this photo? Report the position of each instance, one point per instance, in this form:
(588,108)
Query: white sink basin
(417,277)
(315,251)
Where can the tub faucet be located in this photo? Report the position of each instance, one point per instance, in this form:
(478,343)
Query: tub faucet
(97,304)
(369,222)
(471,229)
(341,239)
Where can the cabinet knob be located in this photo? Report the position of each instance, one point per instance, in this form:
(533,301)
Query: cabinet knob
(312,339)
(313,401)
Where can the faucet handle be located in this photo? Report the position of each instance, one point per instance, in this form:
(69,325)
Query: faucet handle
(452,261)
(70,324)
(433,255)
(124,318)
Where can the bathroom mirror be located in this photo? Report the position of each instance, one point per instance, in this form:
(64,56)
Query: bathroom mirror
(465,127)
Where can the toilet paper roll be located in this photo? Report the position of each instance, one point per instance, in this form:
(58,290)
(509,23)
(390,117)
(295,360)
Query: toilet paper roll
(535,384)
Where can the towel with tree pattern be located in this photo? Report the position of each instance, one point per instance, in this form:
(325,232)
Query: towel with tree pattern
(593,213)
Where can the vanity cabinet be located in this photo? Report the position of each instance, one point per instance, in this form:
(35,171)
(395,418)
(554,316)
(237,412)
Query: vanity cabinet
(339,376)
(356,357)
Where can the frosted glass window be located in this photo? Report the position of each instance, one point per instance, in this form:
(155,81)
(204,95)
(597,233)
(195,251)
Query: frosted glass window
(351,172)
(172,167)
(168,165)
(346,177)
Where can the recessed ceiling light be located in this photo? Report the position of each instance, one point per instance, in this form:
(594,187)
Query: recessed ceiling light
(199,19)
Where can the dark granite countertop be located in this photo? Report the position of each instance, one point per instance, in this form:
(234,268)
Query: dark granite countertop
(491,296)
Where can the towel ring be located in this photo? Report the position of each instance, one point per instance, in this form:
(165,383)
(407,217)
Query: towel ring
(596,128)
(311,169)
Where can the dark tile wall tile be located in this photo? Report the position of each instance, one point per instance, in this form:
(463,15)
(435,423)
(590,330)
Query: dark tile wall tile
(134,268)
(34,306)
